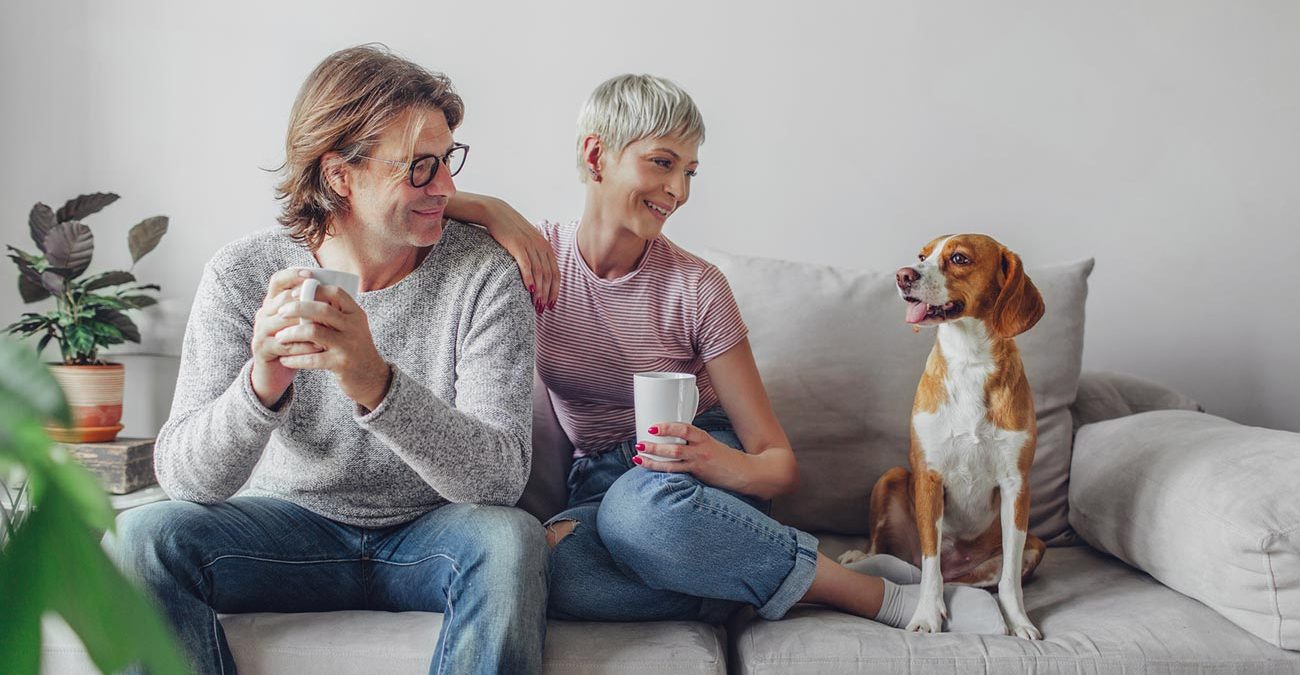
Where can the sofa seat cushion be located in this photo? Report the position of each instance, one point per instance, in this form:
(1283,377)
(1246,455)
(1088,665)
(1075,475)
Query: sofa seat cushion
(395,643)
(1097,615)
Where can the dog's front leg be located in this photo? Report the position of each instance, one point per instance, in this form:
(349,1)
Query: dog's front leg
(930,612)
(1015,522)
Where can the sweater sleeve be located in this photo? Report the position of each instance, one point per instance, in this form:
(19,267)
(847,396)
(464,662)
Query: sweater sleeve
(218,427)
(478,448)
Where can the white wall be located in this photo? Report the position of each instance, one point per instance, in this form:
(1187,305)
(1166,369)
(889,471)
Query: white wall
(1163,138)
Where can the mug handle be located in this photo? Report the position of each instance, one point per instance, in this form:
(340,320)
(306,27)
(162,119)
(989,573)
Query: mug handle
(307,293)
(688,414)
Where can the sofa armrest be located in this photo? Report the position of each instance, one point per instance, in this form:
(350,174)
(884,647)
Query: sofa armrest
(1105,395)
(1206,506)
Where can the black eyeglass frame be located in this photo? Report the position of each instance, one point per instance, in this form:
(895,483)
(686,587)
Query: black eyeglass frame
(437,162)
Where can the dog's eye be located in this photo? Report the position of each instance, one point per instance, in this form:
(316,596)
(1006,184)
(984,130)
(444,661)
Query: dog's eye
(959,259)
(921,257)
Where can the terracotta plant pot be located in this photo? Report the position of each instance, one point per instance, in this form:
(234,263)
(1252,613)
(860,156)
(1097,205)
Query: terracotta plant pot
(94,394)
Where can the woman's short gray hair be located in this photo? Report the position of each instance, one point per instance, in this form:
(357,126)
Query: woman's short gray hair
(628,108)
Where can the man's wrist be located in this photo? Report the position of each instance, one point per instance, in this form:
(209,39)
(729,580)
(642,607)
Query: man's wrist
(384,382)
(265,392)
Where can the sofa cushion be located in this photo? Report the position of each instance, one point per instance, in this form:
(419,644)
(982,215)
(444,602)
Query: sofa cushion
(841,368)
(1205,505)
(395,643)
(1097,615)
(547,491)
(1104,395)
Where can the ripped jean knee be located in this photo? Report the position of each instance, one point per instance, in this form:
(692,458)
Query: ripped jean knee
(557,530)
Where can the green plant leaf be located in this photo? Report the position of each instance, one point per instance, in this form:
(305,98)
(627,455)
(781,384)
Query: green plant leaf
(52,279)
(145,236)
(19,256)
(94,302)
(20,623)
(107,279)
(121,322)
(24,376)
(40,222)
(45,340)
(28,324)
(30,284)
(85,205)
(64,475)
(31,290)
(106,333)
(55,563)
(70,246)
(137,301)
(78,343)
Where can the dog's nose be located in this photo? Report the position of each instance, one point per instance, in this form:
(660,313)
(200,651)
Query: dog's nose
(906,277)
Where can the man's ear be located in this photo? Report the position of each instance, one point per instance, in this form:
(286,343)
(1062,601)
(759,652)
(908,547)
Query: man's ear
(335,171)
(593,150)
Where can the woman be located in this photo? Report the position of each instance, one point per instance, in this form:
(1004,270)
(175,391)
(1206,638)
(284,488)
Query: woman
(654,540)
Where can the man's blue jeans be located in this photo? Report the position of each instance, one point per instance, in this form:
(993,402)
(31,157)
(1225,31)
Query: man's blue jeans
(654,546)
(483,567)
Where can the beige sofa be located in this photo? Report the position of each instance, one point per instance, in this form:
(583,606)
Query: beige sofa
(1173,532)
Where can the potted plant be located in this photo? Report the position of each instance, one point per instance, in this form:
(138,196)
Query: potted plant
(89,312)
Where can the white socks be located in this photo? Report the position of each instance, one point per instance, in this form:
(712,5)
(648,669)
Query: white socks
(970,610)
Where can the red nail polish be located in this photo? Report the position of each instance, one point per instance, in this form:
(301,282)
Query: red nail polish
(637,460)
(640,447)
(532,288)
(654,430)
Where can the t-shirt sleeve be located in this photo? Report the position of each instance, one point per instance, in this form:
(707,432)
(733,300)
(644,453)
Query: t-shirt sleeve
(718,326)
(549,229)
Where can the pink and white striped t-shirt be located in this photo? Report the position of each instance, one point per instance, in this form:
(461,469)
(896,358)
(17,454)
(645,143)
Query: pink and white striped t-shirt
(674,313)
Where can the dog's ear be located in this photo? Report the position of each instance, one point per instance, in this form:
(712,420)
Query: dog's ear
(1019,305)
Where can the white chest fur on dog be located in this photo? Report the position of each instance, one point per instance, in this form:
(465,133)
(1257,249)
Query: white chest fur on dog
(959,441)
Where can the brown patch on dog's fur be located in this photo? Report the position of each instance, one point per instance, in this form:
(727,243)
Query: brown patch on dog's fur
(930,393)
(927,487)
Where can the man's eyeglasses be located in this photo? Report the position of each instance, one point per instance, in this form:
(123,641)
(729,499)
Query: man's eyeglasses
(424,168)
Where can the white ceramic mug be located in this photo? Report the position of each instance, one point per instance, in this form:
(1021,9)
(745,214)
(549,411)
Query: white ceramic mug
(347,281)
(659,398)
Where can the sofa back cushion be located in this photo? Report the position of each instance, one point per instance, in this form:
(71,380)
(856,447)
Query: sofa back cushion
(841,368)
(547,491)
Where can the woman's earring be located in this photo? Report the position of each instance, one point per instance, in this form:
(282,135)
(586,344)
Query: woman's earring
(594,176)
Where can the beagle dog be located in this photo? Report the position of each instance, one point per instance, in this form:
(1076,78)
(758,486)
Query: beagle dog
(962,511)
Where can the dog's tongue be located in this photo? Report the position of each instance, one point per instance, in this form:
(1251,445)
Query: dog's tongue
(916,312)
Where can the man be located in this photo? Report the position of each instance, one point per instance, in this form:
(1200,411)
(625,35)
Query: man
(381,438)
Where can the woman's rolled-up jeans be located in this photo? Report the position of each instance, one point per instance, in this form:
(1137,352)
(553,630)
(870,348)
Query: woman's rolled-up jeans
(650,545)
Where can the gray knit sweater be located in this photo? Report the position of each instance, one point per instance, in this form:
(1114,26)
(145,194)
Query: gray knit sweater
(454,426)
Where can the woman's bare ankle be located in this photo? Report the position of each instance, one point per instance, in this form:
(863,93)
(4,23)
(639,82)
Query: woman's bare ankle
(844,589)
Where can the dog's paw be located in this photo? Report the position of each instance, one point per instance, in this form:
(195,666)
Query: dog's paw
(1025,630)
(928,617)
(849,557)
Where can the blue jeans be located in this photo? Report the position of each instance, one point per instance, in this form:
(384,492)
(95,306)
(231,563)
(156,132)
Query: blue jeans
(483,567)
(655,546)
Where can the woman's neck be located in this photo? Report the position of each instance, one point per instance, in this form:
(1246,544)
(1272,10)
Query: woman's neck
(610,250)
